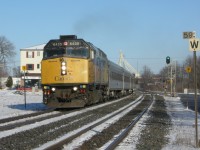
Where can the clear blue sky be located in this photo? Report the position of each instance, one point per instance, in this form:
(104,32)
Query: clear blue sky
(146,31)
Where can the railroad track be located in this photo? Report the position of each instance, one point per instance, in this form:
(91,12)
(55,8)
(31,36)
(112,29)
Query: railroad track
(93,132)
(34,133)
(123,134)
(10,119)
(11,123)
(41,131)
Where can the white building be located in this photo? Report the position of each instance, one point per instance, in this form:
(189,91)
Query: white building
(31,58)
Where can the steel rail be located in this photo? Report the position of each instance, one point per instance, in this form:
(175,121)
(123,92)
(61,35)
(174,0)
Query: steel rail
(119,139)
(11,119)
(59,144)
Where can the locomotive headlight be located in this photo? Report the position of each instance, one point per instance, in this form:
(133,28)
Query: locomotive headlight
(53,89)
(63,68)
(63,63)
(63,72)
(75,88)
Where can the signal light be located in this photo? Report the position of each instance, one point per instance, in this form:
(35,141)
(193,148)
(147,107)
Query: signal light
(168,60)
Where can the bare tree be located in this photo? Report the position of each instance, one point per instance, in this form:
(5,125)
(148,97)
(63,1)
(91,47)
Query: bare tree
(164,73)
(6,49)
(147,76)
(6,52)
(16,72)
(184,79)
(189,62)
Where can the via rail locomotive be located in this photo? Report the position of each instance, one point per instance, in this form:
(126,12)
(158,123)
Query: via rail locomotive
(75,73)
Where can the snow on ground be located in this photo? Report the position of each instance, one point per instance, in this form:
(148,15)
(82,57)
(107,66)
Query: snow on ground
(181,136)
(182,133)
(12,104)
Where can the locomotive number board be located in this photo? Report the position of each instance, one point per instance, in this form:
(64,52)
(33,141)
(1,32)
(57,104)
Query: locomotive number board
(67,43)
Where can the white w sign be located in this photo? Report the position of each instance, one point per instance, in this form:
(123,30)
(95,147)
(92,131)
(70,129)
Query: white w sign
(194,44)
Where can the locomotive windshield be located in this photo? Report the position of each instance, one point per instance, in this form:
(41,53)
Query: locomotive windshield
(77,52)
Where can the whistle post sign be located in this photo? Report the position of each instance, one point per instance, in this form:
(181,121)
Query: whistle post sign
(194,44)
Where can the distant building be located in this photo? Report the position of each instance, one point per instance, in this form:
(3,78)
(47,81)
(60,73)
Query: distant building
(31,58)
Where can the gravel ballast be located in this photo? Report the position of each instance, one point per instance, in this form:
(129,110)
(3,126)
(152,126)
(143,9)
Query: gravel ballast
(154,135)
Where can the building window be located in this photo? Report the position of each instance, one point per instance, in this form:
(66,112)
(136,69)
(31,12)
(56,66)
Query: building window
(30,66)
(38,53)
(29,54)
(38,66)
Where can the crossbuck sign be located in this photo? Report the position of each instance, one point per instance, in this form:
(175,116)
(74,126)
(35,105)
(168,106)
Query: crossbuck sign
(194,44)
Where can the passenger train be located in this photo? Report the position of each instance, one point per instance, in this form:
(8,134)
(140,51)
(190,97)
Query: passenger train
(75,73)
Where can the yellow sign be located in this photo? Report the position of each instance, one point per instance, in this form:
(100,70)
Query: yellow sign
(188,69)
(23,68)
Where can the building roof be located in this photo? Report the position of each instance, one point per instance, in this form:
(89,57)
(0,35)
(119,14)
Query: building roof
(39,47)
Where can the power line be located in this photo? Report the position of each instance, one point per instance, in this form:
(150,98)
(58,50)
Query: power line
(155,58)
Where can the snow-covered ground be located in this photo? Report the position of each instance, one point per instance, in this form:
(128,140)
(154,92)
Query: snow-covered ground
(12,104)
(182,133)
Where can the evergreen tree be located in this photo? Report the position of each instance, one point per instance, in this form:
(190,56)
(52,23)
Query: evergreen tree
(9,82)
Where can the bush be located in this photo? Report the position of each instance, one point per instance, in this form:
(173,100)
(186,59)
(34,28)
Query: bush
(9,82)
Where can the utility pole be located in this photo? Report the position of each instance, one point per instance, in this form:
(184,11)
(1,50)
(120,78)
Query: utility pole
(181,70)
(195,98)
(174,78)
(171,80)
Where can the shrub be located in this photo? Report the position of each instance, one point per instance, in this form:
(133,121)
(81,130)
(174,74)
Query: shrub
(9,82)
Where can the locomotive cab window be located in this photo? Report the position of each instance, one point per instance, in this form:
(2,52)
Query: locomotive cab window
(53,53)
(77,52)
(80,52)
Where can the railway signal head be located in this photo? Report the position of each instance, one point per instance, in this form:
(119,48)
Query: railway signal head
(168,60)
